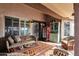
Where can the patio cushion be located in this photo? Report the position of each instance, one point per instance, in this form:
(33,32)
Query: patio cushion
(18,39)
(10,40)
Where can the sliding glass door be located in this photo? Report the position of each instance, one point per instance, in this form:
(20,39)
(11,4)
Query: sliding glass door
(39,30)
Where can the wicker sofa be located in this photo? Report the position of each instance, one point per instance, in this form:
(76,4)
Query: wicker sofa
(21,44)
(12,44)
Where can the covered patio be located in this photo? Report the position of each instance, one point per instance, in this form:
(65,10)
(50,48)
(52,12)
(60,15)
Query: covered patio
(52,24)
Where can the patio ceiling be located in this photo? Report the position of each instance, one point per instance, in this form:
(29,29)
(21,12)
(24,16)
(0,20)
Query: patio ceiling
(63,9)
(43,9)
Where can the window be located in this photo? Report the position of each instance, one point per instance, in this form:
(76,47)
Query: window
(66,28)
(24,29)
(15,27)
(54,27)
(27,28)
(11,26)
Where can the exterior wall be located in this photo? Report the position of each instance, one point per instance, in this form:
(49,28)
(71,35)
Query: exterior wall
(1,26)
(21,11)
(71,28)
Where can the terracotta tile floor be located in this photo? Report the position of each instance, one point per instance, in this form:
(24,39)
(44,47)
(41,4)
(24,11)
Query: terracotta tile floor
(58,45)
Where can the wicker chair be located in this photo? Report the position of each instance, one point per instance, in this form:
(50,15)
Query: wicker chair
(60,52)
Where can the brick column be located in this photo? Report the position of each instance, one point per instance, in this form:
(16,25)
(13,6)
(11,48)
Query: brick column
(76,11)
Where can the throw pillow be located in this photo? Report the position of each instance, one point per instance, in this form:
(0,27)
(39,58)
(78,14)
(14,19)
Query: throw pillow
(18,38)
(11,41)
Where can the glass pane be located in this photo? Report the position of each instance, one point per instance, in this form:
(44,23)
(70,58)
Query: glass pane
(8,21)
(67,29)
(22,23)
(22,31)
(27,28)
(15,30)
(16,23)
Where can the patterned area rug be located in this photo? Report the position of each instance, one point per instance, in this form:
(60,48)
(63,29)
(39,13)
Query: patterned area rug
(39,49)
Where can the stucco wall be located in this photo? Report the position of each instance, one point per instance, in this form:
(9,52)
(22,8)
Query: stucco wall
(1,26)
(20,11)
